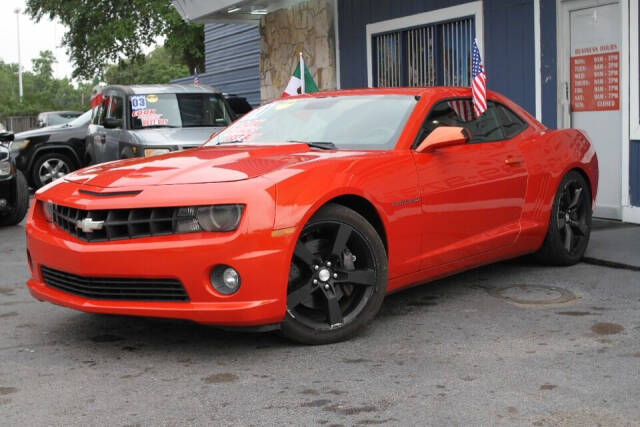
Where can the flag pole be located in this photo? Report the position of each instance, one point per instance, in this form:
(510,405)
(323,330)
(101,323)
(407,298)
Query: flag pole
(302,74)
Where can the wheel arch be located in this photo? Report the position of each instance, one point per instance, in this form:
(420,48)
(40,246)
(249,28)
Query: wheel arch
(585,175)
(579,168)
(46,149)
(349,198)
(365,208)
(582,169)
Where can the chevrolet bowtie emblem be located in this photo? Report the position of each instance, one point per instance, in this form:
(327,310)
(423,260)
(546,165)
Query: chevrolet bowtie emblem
(88,225)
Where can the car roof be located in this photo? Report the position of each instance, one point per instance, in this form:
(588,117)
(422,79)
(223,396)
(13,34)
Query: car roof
(439,91)
(432,92)
(156,89)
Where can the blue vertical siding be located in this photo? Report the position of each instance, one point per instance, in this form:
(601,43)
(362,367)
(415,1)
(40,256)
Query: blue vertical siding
(509,50)
(508,34)
(354,15)
(549,63)
(634,172)
(232,60)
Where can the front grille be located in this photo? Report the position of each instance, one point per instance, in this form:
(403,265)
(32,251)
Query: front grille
(108,288)
(118,223)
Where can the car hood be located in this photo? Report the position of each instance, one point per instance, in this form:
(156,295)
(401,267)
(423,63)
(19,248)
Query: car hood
(189,137)
(48,130)
(200,165)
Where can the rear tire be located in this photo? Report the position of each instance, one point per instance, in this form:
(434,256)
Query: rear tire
(570,223)
(337,280)
(17,213)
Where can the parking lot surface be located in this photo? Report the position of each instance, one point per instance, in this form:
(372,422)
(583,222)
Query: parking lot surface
(509,344)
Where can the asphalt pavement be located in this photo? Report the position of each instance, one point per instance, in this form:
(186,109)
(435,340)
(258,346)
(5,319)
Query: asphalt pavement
(510,344)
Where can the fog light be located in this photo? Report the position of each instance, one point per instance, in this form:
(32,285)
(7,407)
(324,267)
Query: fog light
(225,279)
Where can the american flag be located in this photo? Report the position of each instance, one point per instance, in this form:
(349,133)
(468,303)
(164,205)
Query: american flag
(478,82)
(463,109)
(196,79)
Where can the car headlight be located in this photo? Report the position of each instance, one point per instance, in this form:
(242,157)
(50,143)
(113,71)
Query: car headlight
(208,218)
(5,168)
(18,145)
(148,152)
(47,209)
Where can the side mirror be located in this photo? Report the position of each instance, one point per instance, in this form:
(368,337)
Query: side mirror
(443,136)
(6,136)
(40,123)
(112,123)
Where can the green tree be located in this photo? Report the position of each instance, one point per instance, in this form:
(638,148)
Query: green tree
(107,31)
(43,64)
(42,92)
(157,67)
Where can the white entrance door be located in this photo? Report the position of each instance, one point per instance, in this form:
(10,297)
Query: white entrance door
(590,58)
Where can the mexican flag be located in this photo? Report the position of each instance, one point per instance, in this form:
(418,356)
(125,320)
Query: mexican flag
(298,85)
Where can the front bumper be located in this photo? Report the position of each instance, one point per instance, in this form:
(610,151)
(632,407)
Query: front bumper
(260,258)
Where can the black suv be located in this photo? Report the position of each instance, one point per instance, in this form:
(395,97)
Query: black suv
(48,153)
(14,193)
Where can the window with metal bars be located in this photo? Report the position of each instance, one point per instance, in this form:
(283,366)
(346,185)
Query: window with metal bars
(431,55)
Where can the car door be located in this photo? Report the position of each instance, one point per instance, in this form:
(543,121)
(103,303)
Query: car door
(95,133)
(113,136)
(472,195)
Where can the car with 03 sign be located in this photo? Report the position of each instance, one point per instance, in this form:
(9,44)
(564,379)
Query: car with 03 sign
(306,212)
(147,120)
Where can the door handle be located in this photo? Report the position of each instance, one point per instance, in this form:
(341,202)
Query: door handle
(513,161)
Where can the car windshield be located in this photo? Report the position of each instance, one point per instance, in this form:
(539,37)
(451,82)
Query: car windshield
(368,122)
(82,120)
(61,118)
(178,110)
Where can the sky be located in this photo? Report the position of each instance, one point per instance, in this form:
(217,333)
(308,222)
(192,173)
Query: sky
(34,37)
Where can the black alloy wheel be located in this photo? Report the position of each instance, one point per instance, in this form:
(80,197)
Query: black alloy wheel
(572,216)
(337,277)
(570,224)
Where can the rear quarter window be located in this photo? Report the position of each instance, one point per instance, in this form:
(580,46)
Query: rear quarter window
(511,123)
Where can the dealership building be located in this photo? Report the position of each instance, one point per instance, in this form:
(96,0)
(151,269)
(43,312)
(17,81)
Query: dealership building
(570,63)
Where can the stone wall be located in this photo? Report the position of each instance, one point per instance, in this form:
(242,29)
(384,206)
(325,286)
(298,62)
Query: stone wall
(306,27)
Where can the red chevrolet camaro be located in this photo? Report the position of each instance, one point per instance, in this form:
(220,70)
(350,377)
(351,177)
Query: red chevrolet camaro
(303,214)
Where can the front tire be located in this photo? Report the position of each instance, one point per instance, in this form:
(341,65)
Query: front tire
(17,213)
(337,278)
(570,223)
(51,166)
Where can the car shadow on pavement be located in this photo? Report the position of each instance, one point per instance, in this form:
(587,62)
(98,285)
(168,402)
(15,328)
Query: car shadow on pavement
(152,335)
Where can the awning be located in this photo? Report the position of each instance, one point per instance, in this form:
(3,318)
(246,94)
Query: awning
(229,11)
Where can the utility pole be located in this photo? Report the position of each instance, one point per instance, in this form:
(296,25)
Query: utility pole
(17,12)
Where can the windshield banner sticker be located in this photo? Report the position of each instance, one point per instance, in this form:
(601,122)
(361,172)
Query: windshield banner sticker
(149,117)
(138,102)
(242,131)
